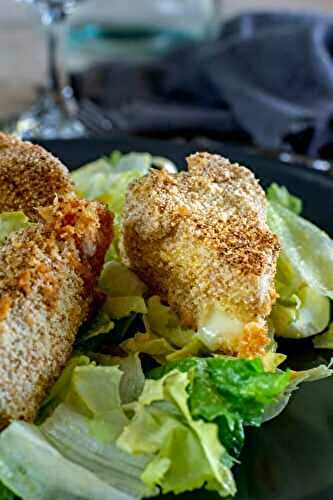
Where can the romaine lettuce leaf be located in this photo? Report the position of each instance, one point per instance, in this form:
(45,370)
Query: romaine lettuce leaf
(303,314)
(107,180)
(281,195)
(133,379)
(11,222)
(94,333)
(120,307)
(297,377)
(230,392)
(99,325)
(149,343)
(163,321)
(65,444)
(5,493)
(307,248)
(165,339)
(186,453)
(102,177)
(27,459)
(119,281)
(95,393)
(271,360)
(304,278)
(61,388)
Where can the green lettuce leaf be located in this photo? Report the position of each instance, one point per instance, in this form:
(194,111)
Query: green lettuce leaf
(281,195)
(120,307)
(95,393)
(61,388)
(119,281)
(230,392)
(165,323)
(305,313)
(27,458)
(107,180)
(307,248)
(297,378)
(93,334)
(149,343)
(77,443)
(133,379)
(5,493)
(165,339)
(102,177)
(100,325)
(186,453)
(324,341)
(304,278)
(11,222)
(271,360)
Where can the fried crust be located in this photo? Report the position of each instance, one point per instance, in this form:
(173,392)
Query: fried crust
(47,276)
(200,237)
(30,177)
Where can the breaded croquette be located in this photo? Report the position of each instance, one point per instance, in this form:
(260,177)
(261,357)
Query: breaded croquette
(47,273)
(47,276)
(30,177)
(199,239)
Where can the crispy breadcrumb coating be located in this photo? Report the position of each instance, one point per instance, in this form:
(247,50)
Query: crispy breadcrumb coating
(47,277)
(30,177)
(199,238)
(48,274)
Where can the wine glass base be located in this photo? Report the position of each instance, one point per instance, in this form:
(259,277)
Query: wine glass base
(48,120)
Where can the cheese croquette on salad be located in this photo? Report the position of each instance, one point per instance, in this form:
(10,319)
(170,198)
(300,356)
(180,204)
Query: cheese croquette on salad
(140,315)
(200,240)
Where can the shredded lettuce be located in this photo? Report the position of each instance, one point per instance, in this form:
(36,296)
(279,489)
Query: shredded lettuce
(100,325)
(186,453)
(281,195)
(95,333)
(308,249)
(165,339)
(149,343)
(102,177)
(230,392)
(11,222)
(107,180)
(165,323)
(297,378)
(119,281)
(77,442)
(27,458)
(303,314)
(304,278)
(61,388)
(106,431)
(120,307)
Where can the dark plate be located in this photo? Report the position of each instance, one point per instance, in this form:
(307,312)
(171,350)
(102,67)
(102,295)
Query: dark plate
(290,458)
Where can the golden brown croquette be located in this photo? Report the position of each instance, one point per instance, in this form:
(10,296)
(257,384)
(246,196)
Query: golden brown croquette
(48,272)
(47,276)
(199,239)
(30,177)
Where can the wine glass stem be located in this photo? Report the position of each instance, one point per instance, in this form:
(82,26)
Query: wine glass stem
(58,81)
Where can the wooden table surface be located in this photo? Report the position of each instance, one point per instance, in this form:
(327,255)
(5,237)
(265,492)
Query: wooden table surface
(22,54)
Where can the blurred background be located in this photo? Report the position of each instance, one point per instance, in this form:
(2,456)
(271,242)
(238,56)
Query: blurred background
(126,58)
(23,53)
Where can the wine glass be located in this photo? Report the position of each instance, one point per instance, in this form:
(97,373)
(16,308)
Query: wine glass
(54,115)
